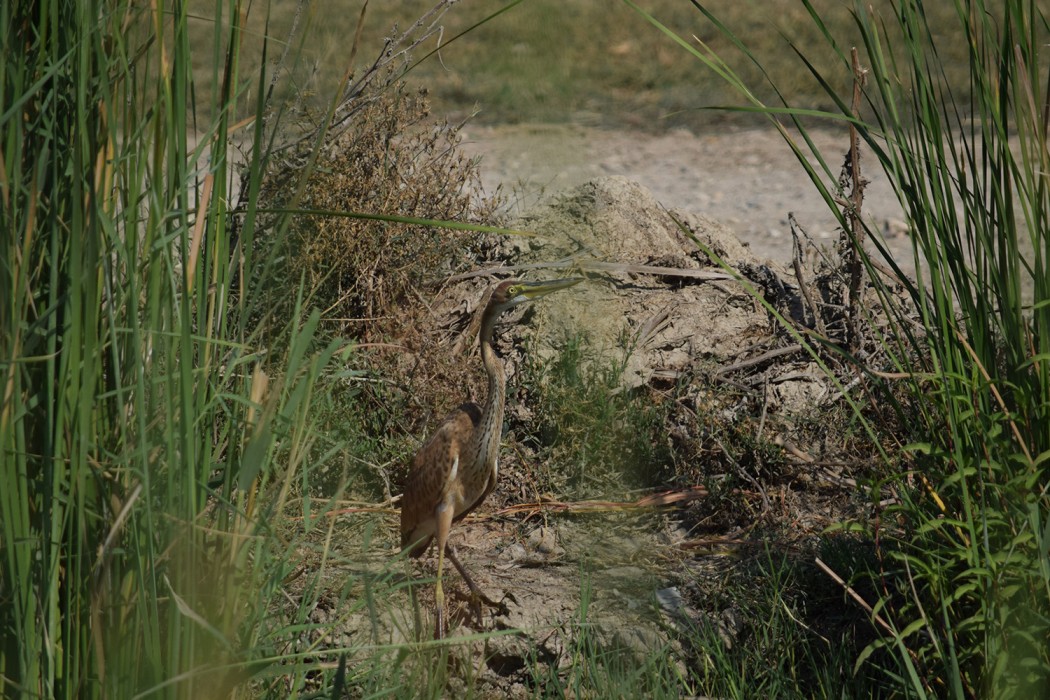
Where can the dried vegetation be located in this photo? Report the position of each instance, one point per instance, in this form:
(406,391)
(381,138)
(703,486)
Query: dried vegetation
(367,275)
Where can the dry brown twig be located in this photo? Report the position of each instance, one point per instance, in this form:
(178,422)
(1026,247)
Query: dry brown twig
(852,593)
(853,239)
(796,262)
(581,265)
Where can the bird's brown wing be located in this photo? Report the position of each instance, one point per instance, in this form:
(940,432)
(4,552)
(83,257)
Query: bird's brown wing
(433,472)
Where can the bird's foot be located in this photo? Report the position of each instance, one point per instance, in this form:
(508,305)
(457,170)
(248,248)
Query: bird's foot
(476,599)
(500,606)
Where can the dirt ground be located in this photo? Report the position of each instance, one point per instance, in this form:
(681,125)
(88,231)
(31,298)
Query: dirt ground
(746,179)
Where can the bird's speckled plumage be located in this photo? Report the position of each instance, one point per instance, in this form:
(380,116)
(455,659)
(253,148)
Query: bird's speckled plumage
(453,483)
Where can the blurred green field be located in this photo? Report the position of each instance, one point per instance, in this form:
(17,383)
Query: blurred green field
(589,62)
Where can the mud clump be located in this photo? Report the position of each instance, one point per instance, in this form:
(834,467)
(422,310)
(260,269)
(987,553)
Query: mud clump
(666,320)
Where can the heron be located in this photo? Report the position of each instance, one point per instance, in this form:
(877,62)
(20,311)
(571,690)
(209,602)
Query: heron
(456,468)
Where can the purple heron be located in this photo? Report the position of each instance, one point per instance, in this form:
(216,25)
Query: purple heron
(457,467)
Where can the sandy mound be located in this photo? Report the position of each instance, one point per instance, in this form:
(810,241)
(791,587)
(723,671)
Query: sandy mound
(667,320)
(654,295)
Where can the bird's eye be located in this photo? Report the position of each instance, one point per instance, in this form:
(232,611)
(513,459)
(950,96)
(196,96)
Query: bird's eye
(514,291)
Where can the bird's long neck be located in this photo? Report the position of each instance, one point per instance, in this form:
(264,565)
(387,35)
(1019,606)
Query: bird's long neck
(491,427)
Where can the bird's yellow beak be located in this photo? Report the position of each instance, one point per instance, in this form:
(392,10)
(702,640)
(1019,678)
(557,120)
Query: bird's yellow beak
(535,290)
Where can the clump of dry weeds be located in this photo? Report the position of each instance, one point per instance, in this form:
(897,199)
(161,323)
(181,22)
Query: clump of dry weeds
(378,153)
(366,275)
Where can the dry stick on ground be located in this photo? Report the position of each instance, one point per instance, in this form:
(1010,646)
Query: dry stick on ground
(752,361)
(878,619)
(654,500)
(855,596)
(587,265)
(796,262)
(855,236)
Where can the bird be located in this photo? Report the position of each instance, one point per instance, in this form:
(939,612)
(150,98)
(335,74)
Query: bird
(456,469)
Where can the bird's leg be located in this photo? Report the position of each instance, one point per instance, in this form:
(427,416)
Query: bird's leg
(439,601)
(477,597)
(444,522)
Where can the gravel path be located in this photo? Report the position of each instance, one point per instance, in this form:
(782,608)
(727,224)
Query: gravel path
(747,179)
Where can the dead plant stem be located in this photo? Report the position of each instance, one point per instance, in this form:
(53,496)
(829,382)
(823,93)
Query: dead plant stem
(854,210)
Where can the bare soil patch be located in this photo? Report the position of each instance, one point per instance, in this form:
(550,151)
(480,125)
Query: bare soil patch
(746,179)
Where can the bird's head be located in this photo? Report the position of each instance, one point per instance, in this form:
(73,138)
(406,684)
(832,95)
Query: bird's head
(510,293)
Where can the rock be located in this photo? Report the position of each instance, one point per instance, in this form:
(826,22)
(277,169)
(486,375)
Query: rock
(543,541)
(637,639)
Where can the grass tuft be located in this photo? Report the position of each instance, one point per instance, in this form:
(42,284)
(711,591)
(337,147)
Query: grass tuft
(594,432)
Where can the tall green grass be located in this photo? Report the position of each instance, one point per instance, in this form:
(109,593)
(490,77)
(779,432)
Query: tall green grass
(146,437)
(973,569)
(965,569)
